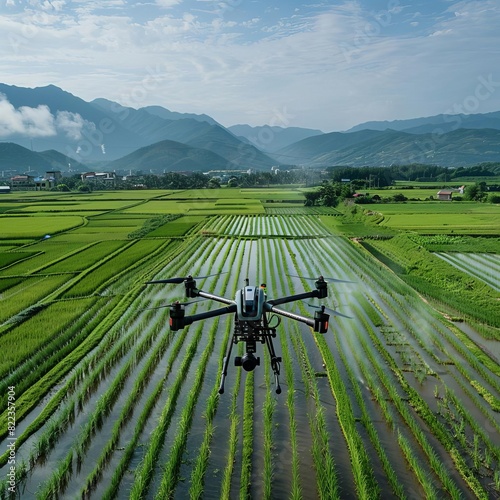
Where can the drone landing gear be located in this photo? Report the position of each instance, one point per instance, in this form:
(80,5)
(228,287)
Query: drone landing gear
(251,333)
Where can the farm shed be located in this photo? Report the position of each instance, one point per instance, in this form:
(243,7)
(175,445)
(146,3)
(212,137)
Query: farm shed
(4,189)
(445,195)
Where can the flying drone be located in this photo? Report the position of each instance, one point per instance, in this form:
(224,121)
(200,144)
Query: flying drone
(253,314)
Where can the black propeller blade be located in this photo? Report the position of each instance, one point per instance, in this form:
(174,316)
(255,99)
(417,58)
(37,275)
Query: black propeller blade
(181,280)
(321,277)
(177,303)
(330,311)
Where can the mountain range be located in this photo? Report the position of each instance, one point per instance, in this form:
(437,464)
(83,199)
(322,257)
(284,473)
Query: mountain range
(49,128)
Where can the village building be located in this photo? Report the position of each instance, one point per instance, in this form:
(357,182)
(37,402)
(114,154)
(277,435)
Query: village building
(445,195)
(48,181)
(107,178)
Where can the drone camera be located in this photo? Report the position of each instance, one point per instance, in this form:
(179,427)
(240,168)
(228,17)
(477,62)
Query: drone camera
(321,321)
(248,362)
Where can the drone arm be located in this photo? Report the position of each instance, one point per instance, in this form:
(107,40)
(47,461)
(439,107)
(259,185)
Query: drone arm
(296,317)
(209,314)
(291,298)
(206,295)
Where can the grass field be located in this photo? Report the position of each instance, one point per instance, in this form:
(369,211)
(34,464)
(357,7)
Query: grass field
(400,400)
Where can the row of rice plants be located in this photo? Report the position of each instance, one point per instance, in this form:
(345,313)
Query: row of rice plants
(268,409)
(88,372)
(199,470)
(154,448)
(23,295)
(94,276)
(326,475)
(50,251)
(277,279)
(366,485)
(127,410)
(144,472)
(82,258)
(31,370)
(435,278)
(171,470)
(366,418)
(98,369)
(486,267)
(403,409)
(21,341)
(106,401)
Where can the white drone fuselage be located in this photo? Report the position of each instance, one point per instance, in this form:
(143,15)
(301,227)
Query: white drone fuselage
(250,303)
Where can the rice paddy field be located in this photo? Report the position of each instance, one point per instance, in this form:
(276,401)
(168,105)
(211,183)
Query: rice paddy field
(100,399)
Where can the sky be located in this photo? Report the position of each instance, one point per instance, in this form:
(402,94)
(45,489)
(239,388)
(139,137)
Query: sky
(326,65)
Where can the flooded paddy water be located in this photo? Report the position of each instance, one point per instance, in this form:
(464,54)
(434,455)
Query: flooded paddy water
(370,409)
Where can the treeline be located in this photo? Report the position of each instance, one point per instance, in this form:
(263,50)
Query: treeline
(367,177)
(198,180)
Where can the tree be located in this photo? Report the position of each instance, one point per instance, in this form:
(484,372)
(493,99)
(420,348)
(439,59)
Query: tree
(214,183)
(311,198)
(475,192)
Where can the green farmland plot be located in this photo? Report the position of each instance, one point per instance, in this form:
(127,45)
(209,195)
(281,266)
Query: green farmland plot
(396,401)
(439,217)
(37,227)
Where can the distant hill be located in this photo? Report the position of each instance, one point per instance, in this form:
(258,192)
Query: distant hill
(166,114)
(272,139)
(103,134)
(307,150)
(435,124)
(16,156)
(453,149)
(168,156)
(104,130)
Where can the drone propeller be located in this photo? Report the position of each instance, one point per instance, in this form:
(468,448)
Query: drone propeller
(330,311)
(176,303)
(336,280)
(181,280)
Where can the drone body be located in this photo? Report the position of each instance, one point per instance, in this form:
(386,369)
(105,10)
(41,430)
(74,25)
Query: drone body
(252,313)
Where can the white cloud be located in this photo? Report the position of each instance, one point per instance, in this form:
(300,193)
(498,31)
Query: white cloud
(331,68)
(32,122)
(39,121)
(71,124)
(168,4)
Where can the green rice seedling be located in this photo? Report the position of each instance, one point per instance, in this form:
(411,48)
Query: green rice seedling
(490,398)
(247,453)
(425,481)
(53,488)
(268,409)
(496,480)
(234,419)
(431,420)
(144,472)
(199,469)
(389,471)
(171,471)
(121,468)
